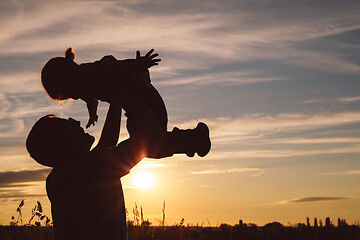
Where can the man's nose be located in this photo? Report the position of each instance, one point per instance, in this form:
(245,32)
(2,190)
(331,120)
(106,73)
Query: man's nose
(73,120)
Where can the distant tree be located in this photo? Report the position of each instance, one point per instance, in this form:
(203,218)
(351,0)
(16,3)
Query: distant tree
(342,223)
(241,223)
(252,225)
(328,222)
(300,225)
(274,225)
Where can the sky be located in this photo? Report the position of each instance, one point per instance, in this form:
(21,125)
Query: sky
(277,82)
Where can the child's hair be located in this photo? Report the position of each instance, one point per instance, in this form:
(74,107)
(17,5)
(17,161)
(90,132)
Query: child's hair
(57,75)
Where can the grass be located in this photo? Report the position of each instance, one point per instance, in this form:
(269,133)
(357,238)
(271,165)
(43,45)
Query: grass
(224,232)
(141,229)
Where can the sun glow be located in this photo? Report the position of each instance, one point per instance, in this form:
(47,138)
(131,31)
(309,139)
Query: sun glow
(143,179)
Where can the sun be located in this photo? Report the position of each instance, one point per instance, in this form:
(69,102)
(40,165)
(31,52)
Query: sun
(143,179)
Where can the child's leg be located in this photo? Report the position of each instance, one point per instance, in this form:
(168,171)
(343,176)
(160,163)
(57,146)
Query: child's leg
(151,97)
(156,104)
(189,141)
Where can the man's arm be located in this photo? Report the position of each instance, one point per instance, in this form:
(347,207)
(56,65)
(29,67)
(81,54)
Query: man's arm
(111,130)
(118,161)
(148,138)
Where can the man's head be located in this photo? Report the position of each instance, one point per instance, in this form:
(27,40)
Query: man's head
(58,74)
(54,141)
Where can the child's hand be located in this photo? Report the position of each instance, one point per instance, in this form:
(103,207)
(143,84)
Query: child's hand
(148,60)
(91,105)
(92,120)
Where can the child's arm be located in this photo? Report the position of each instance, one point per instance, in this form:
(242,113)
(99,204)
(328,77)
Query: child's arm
(91,105)
(148,60)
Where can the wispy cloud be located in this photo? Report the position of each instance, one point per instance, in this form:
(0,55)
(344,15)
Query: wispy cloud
(12,178)
(332,100)
(19,195)
(257,171)
(316,140)
(225,78)
(278,153)
(142,24)
(317,199)
(280,136)
(340,173)
(312,200)
(258,125)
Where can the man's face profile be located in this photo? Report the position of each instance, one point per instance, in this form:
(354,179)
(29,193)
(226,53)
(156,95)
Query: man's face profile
(54,141)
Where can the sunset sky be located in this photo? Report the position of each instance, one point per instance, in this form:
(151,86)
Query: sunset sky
(277,82)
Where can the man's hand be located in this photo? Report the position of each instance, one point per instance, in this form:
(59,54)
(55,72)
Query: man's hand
(148,60)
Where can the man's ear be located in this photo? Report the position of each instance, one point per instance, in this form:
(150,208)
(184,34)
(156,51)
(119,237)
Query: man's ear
(70,54)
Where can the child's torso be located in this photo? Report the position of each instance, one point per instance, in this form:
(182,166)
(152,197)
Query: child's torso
(107,78)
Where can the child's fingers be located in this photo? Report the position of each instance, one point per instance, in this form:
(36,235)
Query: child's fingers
(92,121)
(152,64)
(154,55)
(149,53)
(137,54)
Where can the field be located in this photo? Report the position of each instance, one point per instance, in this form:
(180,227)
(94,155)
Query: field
(223,232)
(39,227)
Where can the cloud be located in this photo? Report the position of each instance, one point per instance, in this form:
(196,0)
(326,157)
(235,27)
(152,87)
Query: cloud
(258,126)
(12,178)
(317,199)
(341,173)
(208,76)
(316,140)
(231,170)
(311,200)
(19,195)
(281,135)
(250,31)
(333,100)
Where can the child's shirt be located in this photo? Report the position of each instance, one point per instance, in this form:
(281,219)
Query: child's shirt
(108,77)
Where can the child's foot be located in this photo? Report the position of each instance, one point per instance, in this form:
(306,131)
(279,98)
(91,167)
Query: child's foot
(202,140)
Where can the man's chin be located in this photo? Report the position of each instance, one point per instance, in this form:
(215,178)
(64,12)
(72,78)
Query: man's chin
(91,139)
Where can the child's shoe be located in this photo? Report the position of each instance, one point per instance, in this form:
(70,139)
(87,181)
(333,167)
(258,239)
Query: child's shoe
(203,143)
(199,140)
(195,140)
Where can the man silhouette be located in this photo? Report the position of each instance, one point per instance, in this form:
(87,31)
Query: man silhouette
(84,186)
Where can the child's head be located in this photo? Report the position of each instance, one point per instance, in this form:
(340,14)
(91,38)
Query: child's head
(57,76)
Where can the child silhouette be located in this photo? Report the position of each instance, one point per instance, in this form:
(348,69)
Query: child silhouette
(124,81)
(107,80)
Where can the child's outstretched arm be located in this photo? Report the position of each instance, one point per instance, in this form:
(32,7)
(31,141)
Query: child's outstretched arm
(91,105)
